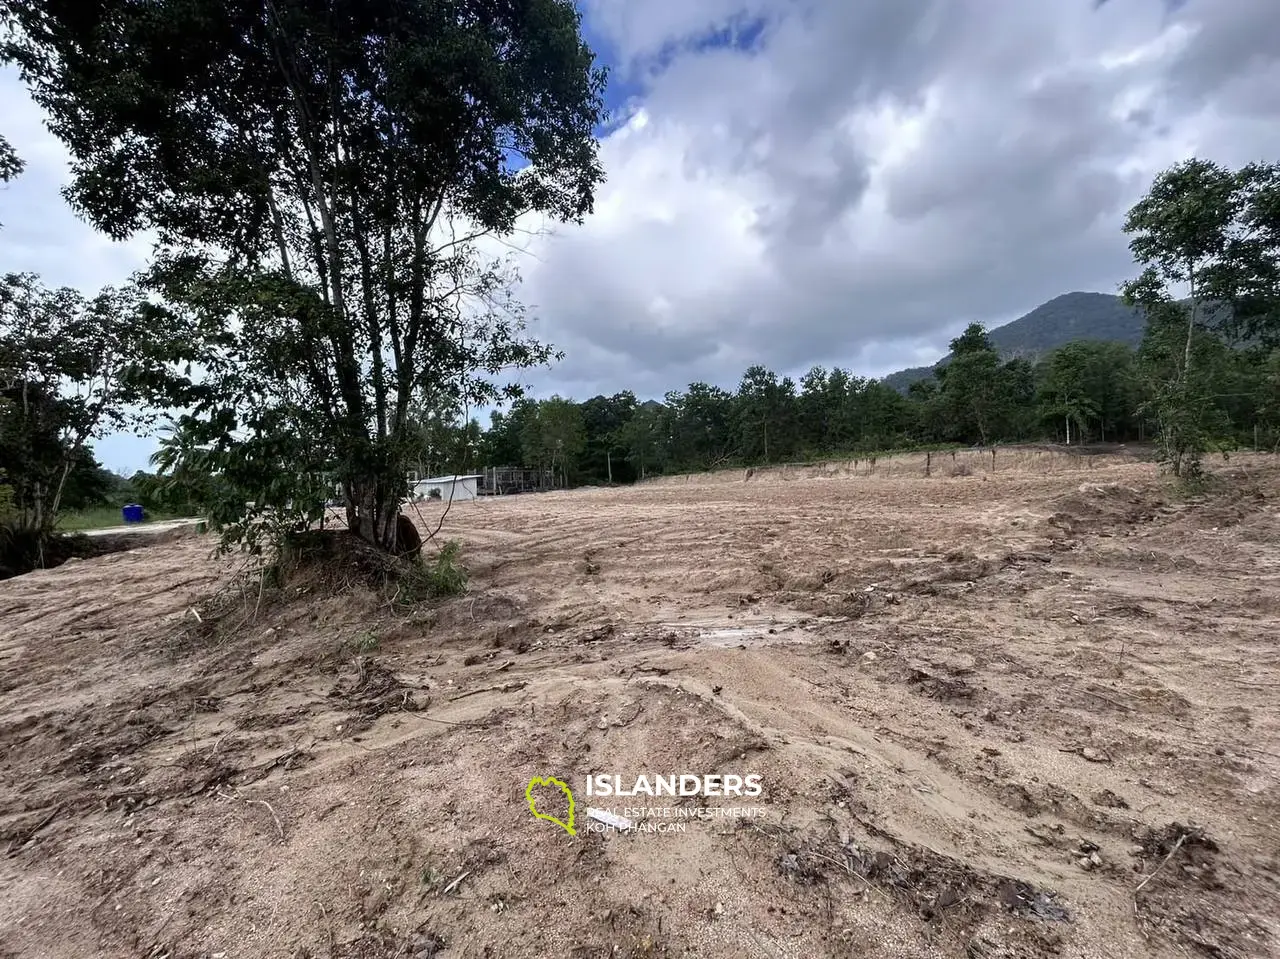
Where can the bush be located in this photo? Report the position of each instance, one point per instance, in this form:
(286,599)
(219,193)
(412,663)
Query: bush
(434,493)
(445,577)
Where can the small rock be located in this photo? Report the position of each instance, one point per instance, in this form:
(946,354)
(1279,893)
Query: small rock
(1085,863)
(1095,755)
(869,656)
(1137,850)
(1105,797)
(719,909)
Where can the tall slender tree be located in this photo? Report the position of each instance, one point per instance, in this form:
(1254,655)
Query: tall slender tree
(318,173)
(1214,235)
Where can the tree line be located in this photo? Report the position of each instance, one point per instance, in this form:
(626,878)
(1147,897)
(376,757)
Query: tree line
(1205,377)
(1082,392)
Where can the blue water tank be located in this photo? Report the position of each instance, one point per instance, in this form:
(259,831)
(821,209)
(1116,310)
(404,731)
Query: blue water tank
(132,513)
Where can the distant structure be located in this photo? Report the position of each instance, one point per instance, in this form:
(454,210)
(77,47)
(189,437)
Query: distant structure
(503,480)
(447,488)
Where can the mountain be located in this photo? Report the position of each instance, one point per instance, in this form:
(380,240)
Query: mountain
(1072,316)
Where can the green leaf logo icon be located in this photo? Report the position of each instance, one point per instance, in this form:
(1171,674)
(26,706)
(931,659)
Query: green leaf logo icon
(550,781)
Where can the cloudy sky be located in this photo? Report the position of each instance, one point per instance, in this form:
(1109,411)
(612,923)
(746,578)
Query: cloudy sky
(800,182)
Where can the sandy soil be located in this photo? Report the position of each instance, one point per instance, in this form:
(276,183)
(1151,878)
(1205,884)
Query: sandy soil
(1013,714)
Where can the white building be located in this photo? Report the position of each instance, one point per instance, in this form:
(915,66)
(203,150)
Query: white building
(451,488)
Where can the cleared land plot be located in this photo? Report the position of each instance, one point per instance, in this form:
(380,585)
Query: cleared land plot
(985,710)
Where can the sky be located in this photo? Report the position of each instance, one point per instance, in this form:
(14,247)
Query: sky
(801,182)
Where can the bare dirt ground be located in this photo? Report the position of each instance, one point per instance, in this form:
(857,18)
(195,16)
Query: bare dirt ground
(1014,714)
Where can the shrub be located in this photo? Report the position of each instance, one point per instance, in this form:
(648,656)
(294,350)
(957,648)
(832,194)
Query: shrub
(445,577)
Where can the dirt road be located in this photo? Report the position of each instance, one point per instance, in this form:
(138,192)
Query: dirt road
(997,715)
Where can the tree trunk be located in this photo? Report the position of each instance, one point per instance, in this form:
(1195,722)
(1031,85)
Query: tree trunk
(371,514)
(1191,325)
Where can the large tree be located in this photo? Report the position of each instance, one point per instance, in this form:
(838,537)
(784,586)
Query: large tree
(765,416)
(317,172)
(554,438)
(1208,241)
(970,386)
(73,370)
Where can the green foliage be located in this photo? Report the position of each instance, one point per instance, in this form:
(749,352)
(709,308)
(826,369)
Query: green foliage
(604,453)
(645,438)
(701,423)
(366,642)
(979,397)
(317,212)
(74,369)
(444,576)
(765,405)
(553,435)
(10,163)
(1087,390)
(1215,233)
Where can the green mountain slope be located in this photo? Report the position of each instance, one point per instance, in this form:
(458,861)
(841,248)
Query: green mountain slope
(1072,316)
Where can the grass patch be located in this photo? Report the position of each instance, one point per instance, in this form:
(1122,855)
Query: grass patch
(101,517)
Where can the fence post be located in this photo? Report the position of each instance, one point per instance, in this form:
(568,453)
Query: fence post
(928,459)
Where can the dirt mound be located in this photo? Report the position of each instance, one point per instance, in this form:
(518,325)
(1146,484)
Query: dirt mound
(1103,507)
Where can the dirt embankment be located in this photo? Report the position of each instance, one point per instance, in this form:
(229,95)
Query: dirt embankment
(1007,714)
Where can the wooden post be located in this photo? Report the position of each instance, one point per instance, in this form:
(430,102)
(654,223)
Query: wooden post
(928,458)
(993,459)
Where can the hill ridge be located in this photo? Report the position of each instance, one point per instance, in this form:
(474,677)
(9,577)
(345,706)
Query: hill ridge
(1078,315)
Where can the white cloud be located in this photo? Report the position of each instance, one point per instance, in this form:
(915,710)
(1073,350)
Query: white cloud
(39,233)
(871,176)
